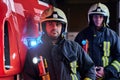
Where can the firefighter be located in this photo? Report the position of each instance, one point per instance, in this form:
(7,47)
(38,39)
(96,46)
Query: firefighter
(104,43)
(66,60)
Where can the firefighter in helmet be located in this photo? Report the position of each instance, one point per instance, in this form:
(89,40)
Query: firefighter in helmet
(66,59)
(104,43)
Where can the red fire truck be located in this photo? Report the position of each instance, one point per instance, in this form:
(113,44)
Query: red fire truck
(19,24)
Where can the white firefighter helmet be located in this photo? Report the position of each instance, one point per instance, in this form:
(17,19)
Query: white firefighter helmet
(54,14)
(99,8)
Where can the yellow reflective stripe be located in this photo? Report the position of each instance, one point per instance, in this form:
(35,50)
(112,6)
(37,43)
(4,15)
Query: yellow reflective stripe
(106,49)
(105,61)
(87,79)
(116,64)
(74,66)
(74,77)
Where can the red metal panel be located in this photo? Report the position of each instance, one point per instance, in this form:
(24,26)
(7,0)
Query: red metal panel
(22,21)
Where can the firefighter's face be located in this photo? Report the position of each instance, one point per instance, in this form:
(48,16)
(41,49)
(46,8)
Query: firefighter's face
(98,20)
(53,29)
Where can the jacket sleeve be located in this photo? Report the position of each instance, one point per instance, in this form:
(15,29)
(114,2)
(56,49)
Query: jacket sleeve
(114,68)
(30,71)
(87,66)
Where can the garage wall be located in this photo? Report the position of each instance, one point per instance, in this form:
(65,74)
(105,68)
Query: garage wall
(119,17)
(77,15)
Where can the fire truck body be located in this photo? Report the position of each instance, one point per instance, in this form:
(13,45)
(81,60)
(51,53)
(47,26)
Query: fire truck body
(19,19)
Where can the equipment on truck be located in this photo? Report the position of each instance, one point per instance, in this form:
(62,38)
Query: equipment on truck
(43,67)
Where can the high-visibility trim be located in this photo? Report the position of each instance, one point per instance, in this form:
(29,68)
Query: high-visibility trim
(106,49)
(116,64)
(74,66)
(87,79)
(74,77)
(105,61)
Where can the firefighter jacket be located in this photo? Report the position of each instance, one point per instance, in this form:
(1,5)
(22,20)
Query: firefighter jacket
(103,48)
(66,61)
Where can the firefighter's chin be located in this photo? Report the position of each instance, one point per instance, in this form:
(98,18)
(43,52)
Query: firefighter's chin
(54,37)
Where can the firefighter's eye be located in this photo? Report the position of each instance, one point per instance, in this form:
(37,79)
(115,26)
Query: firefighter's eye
(49,23)
(58,23)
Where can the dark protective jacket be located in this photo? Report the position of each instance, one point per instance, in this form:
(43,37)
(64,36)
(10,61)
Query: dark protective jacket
(59,57)
(104,49)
